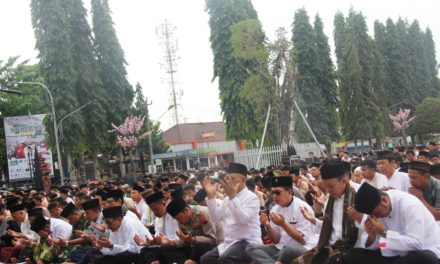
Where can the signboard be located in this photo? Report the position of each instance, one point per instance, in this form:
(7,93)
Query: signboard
(158,162)
(24,136)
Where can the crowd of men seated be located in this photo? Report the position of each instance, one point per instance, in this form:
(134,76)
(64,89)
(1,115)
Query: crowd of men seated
(378,207)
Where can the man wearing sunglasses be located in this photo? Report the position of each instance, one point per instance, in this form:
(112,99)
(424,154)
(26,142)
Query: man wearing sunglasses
(291,233)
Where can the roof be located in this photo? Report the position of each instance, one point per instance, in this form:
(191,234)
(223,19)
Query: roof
(195,132)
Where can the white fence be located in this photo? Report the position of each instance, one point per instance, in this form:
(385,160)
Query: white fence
(273,155)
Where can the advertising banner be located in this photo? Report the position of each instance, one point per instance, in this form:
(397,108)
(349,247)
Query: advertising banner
(25,137)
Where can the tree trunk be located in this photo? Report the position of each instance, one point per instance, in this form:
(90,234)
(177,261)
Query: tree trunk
(121,164)
(130,153)
(70,174)
(404,137)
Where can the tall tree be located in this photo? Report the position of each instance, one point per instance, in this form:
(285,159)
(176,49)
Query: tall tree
(360,111)
(88,86)
(54,44)
(431,63)
(111,63)
(232,72)
(316,87)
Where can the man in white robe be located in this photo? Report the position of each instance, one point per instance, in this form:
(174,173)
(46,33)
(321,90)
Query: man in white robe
(239,213)
(399,229)
(387,166)
(371,176)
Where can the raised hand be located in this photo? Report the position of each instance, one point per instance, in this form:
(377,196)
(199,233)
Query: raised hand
(163,240)
(353,214)
(308,215)
(228,187)
(104,242)
(210,188)
(277,219)
(188,238)
(99,227)
(264,220)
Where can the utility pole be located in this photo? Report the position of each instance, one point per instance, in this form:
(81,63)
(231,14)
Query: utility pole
(166,35)
(150,140)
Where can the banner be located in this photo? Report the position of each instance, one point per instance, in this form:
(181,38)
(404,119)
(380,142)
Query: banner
(24,136)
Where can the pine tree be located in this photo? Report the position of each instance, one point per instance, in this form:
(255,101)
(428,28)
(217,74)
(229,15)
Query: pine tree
(326,79)
(232,72)
(431,63)
(316,88)
(88,86)
(361,107)
(53,42)
(111,63)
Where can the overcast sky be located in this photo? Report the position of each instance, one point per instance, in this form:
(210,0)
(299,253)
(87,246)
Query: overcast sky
(136,22)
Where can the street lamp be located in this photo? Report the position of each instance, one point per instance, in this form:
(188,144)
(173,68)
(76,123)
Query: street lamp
(55,127)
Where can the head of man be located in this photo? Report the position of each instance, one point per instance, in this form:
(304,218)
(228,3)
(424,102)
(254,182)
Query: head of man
(368,168)
(41,226)
(72,213)
(136,193)
(54,209)
(190,191)
(115,198)
(418,173)
(386,163)
(303,170)
(432,145)
(282,190)
(335,177)
(237,176)
(314,170)
(423,156)
(372,201)
(434,158)
(294,174)
(157,204)
(182,179)
(410,155)
(84,188)
(92,210)
(113,217)
(18,213)
(180,211)
(357,175)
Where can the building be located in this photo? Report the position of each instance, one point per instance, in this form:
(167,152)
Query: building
(196,144)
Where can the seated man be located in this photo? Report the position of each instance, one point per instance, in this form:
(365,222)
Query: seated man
(399,229)
(425,187)
(44,251)
(290,232)
(120,247)
(371,176)
(197,233)
(239,213)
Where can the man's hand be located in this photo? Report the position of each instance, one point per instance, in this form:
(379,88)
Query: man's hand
(355,215)
(142,243)
(264,220)
(163,240)
(416,192)
(104,242)
(58,242)
(308,215)
(210,188)
(387,188)
(188,238)
(277,219)
(99,227)
(374,226)
(228,187)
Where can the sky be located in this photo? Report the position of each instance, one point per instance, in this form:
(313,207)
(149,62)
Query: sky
(138,21)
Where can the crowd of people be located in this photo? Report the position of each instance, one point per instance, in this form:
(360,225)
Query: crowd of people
(376,207)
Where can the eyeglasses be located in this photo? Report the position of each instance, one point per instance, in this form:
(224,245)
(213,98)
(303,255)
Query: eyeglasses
(276,192)
(108,221)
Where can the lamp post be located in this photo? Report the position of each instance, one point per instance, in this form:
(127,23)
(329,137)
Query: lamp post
(55,127)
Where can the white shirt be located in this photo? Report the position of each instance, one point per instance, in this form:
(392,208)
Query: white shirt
(399,181)
(338,216)
(293,216)
(142,207)
(60,228)
(148,217)
(69,200)
(240,218)
(25,228)
(166,225)
(123,238)
(410,226)
(379,181)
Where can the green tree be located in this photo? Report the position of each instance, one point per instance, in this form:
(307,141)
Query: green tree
(54,44)
(316,87)
(88,86)
(427,113)
(30,102)
(361,107)
(111,63)
(231,71)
